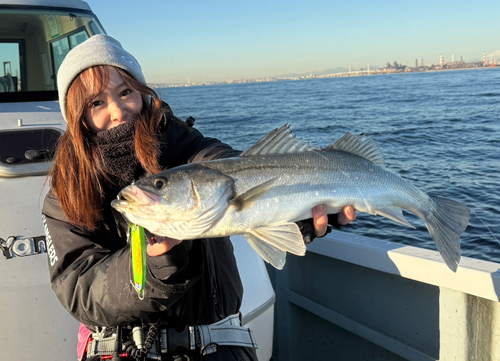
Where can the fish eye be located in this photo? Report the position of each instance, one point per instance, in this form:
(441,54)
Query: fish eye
(160,183)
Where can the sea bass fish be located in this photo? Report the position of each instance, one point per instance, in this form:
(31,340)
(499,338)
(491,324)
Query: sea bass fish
(277,182)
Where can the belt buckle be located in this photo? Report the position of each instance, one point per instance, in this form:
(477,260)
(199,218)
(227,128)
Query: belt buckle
(171,340)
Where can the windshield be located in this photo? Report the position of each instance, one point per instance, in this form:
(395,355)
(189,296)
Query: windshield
(33,43)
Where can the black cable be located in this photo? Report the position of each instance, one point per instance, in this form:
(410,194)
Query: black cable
(118,344)
(140,354)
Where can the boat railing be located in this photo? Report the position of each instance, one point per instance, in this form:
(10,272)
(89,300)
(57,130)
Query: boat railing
(357,298)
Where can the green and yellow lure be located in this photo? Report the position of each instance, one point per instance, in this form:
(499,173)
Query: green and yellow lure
(138,249)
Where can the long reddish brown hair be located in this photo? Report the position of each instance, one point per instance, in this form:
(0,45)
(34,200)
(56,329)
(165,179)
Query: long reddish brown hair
(78,172)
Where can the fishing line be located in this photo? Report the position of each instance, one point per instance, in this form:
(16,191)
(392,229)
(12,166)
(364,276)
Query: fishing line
(486,227)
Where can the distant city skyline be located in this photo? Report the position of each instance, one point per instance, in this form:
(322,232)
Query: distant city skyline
(393,68)
(199,41)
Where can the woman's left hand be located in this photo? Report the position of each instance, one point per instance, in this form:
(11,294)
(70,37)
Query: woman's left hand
(165,245)
(320,218)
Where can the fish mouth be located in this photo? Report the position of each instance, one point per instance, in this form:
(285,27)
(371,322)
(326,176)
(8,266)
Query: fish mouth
(133,196)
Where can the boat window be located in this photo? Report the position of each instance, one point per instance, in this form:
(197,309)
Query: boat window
(33,44)
(62,46)
(10,65)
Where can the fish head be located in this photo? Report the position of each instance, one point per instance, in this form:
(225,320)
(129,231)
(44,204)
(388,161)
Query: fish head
(178,196)
(161,197)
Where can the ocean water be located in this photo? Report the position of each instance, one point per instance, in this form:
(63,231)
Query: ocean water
(439,130)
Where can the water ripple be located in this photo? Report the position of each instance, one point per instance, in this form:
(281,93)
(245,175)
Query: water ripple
(439,130)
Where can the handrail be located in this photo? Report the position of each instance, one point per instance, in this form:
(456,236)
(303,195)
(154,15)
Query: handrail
(474,276)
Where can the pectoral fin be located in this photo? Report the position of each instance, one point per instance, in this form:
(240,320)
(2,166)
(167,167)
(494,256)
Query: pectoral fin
(247,199)
(285,236)
(394,213)
(272,242)
(272,255)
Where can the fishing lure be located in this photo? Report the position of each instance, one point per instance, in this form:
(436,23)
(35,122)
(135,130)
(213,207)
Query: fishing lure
(138,248)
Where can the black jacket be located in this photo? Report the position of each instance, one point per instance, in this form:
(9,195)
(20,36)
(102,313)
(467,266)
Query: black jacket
(197,282)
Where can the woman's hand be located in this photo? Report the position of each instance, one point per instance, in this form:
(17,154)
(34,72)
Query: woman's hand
(320,218)
(163,247)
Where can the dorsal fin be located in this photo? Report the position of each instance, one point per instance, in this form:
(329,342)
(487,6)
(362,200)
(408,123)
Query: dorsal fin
(279,141)
(360,145)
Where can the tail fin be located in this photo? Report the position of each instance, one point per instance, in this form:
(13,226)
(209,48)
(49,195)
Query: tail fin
(447,221)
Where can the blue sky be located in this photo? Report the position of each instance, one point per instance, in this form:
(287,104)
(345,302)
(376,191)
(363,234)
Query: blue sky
(177,41)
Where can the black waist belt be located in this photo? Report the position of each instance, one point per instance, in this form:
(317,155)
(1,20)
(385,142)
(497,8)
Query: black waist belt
(205,338)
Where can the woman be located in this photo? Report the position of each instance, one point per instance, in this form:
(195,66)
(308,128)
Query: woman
(119,131)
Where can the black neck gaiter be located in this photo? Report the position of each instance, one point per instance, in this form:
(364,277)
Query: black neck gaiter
(118,150)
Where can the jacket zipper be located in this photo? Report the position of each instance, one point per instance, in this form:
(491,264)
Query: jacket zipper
(215,283)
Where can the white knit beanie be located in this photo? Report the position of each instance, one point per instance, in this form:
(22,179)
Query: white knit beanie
(97,50)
